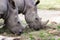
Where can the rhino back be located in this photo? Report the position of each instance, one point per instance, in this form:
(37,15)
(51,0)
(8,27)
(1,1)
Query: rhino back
(3,6)
(20,4)
(30,2)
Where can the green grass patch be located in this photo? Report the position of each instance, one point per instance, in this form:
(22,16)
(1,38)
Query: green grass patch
(48,4)
(58,38)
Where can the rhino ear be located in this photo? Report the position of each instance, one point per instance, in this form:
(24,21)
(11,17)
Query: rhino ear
(37,2)
(12,3)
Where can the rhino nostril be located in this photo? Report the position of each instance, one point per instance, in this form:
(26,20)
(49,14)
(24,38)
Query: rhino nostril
(20,30)
(18,22)
(36,18)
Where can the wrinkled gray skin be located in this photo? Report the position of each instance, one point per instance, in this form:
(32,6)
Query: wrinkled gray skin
(9,13)
(29,9)
(12,21)
(3,7)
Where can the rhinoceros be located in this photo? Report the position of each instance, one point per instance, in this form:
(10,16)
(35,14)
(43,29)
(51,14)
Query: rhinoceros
(9,13)
(29,9)
(10,9)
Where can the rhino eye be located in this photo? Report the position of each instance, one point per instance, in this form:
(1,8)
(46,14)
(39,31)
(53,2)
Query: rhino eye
(18,22)
(36,18)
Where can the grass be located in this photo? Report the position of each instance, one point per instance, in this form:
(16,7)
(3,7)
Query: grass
(31,37)
(43,34)
(58,26)
(58,38)
(48,4)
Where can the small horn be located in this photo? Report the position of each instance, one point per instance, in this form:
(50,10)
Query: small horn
(44,23)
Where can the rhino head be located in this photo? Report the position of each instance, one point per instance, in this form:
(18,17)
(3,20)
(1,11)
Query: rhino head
(12,22)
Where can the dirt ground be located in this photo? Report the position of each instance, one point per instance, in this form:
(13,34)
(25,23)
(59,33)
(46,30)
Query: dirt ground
(51,15)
